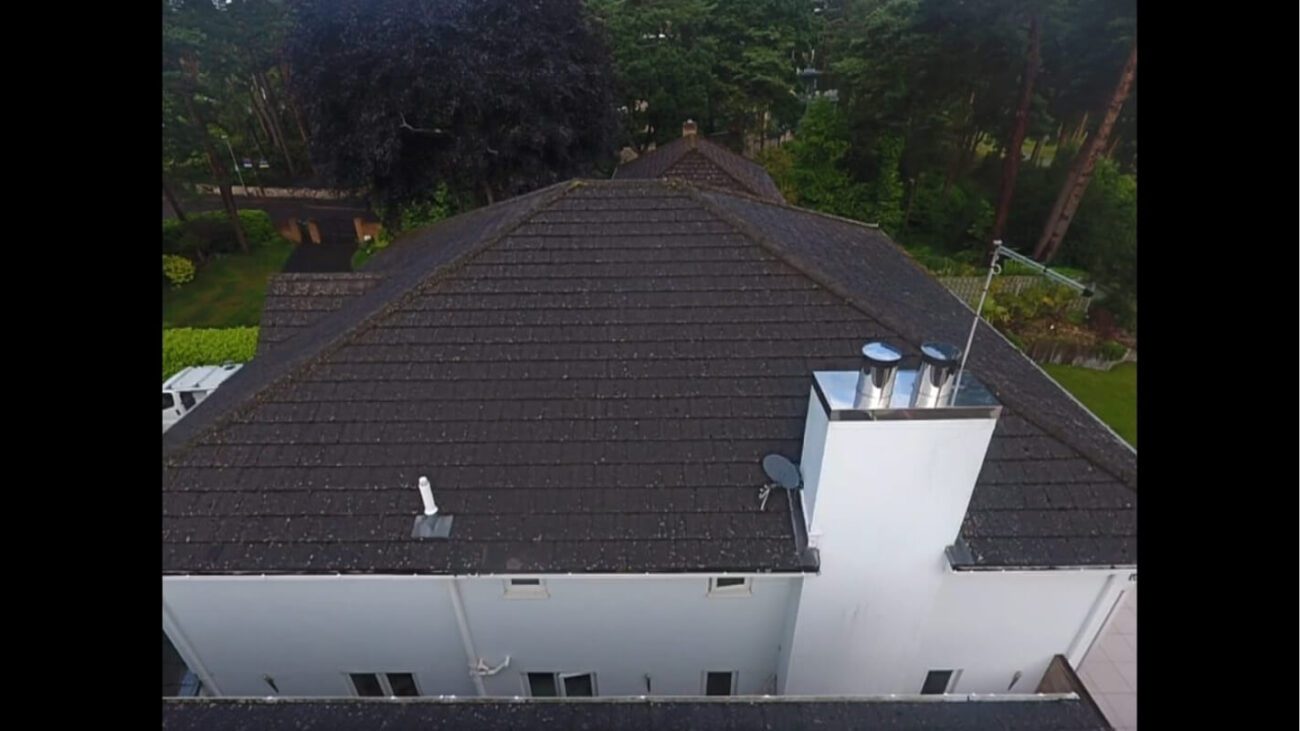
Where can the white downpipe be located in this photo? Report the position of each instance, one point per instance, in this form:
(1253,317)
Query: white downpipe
(183,648)
(1111,593)
(471,656)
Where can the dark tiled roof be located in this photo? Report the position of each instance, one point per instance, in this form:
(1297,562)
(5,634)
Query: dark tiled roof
(1057,488)
(1053,713)
(697,160)
(589,376)
(297,301)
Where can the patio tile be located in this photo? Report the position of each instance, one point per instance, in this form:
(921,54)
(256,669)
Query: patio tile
(1124,706)
(1105,679)
(1117,648)
(1129,672)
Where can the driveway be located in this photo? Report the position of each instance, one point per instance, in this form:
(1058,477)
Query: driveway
(333,218)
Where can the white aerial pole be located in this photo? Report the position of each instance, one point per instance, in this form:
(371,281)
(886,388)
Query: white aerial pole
(1000,251)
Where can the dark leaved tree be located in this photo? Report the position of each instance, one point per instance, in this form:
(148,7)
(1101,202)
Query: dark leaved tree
(490,97)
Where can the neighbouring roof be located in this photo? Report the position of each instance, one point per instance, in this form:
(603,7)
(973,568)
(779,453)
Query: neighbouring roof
(696,159)
(1047,713)
(589,375)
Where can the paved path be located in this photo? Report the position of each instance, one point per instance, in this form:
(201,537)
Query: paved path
(1109,671)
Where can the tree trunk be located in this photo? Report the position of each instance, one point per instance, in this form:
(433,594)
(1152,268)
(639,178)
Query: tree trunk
(273,114)
(171,200)
(1067,203)
(1011,162)
(911,198)
(262,121)
(1036,155)
(959,155)
(218,171)
(1081,132)
(954,165)
(261,151)
(1114,145)
(487,191)
(293,103)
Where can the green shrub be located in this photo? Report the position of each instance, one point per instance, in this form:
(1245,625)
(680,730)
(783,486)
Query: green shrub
(1111,350)
(177,269)
(184,347)
(955,220)
(258,228)
(203,234)
(173,228)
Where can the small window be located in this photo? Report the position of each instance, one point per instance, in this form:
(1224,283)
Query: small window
(729,586)
(720,683)
(367,685)
(582,685)
(542,685)
(187,399)
(936,682)
(526,589)
(383,685)
(561,685)
(402,684)
(168,401)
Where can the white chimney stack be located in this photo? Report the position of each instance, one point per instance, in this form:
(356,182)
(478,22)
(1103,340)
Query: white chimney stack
(426,495)
(889,465)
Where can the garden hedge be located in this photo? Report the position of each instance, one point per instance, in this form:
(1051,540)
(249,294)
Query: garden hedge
(187,346)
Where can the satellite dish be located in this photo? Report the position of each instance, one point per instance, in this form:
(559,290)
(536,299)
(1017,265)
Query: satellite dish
(782,472)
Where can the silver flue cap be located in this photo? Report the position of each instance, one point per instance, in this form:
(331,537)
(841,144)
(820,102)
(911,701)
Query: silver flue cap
(880,362)
(937,376)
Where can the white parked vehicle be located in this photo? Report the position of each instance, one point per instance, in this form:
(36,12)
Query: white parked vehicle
(183,391)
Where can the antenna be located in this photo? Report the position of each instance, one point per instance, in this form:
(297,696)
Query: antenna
(781,473)
(995,267)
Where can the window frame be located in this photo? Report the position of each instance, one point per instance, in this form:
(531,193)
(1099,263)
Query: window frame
(745,588)
(559,678)
(564,688)
(954,674)
(385,686)
(526,591)
(704,682)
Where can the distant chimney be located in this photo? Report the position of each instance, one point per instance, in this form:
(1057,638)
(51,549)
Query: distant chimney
(876,378)
(689,128)
(936,379)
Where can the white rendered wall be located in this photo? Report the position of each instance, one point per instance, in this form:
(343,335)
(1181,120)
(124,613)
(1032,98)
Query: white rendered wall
(890,497)
(991,625)
(625,628)
(307,632)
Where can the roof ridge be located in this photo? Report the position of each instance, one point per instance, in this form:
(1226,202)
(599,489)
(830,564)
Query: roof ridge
(748,230)
(304,352)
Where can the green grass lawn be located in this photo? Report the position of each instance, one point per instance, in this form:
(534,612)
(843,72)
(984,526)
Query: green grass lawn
(227,291)
(1111,395)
